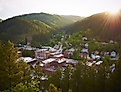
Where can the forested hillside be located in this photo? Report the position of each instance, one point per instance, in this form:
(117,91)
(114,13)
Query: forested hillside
(16,29)
(55,21)
(104,25)
(39,27)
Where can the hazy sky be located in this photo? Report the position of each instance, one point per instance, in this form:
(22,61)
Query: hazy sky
(10,8)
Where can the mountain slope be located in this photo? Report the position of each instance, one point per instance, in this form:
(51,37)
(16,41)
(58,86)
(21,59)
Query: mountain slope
(32,26)
(16,29)
(75,18)
(104,25)
(55,21)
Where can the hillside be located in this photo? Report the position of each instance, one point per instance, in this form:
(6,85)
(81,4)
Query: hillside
(55,21)
(34,25)
(16,29)
(103,25)
(0,20)
(75,18)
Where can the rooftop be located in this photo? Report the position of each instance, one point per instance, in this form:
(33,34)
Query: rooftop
(38,50)
(52,68)
(26,59)
(61,60)
(71,61)
(54,53)
(99,62)
(48,60)
(57,56)
(89,64)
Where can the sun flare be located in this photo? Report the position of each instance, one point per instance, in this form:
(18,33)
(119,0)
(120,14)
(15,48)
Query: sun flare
(114,11)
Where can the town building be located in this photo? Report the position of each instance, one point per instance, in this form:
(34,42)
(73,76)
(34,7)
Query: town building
(50,65)
(42,54)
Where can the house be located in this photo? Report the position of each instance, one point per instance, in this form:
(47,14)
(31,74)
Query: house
(53,65)
(111,41)
(72,62)
(28,60)
(113,54)
(71,50)
(46,47)
(107,53)
(89,64)
(26,47)
(81,44)
(50,65)
(84,50)
(93,39)
(95,56)
(47,62)
(83,55)
(96,52)
(98,63)
(102,53)
(104,43)
(86,45)
(93,62)
(84,38)
(19,54)
(28,43)
(62,39)
(42,54)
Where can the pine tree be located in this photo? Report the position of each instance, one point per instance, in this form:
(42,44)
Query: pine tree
(115,79)
(102,74)
(66,77)
(52,88)
(10,73)
(76,77)
(38,72)
(26,78)
(30,87)
(55,78)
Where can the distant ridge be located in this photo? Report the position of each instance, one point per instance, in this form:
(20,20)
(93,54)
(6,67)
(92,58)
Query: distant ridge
(73,17)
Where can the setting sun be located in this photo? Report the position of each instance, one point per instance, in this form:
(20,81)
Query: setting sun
(114,10)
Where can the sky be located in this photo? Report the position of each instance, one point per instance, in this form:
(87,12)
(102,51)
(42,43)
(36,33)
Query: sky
(10,8)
